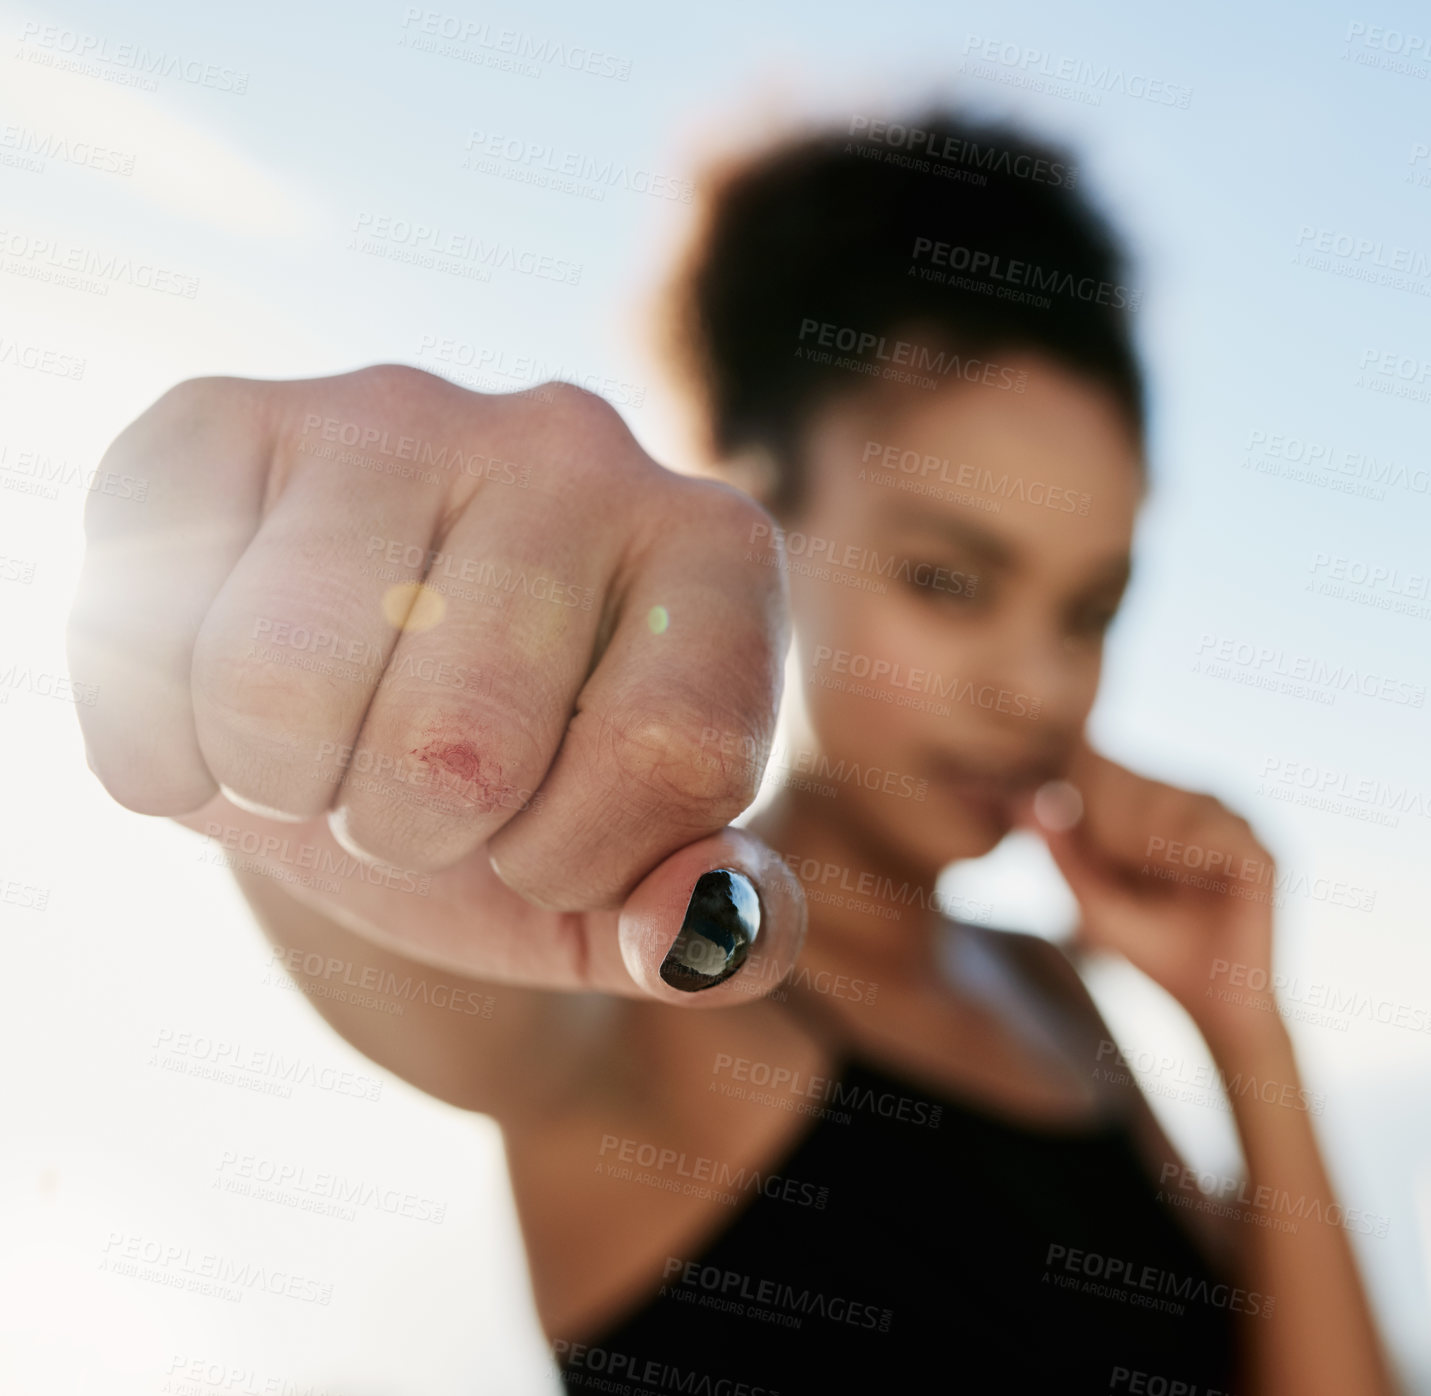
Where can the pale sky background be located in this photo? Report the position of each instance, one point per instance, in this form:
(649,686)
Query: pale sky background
(1305,122)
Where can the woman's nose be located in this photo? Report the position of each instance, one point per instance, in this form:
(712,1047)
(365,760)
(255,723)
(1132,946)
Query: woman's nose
(1038,667)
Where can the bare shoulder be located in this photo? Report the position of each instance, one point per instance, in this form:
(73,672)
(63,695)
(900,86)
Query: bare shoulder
(1055,977)
(1045,958)
(1049,968)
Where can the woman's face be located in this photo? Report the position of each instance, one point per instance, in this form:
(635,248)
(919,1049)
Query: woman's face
(954,564)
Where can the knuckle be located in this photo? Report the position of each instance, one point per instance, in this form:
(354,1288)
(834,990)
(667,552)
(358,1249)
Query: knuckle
(1190,803)
(271,706)
(200,410)
(191,398)
(726,525)
(668,753)
(731,515)
(579,404)
(470,766)
(733,508)
(389,383)
(1191,812)
(178,415)
(586,431)
(1226,822)
(397,397)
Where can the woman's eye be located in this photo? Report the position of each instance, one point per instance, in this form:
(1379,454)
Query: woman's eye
(939,583)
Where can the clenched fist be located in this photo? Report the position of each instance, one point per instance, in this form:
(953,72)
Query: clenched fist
(484,638)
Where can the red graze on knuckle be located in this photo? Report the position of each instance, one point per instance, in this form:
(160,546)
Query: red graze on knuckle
(463,767)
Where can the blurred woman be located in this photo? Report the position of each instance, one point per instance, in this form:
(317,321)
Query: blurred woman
(913,344)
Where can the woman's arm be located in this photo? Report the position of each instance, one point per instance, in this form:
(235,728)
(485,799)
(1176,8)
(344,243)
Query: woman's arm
(1317,1335)
(500,1050)
(1128,862)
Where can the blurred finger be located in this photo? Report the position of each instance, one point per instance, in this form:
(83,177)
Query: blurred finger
(152,568)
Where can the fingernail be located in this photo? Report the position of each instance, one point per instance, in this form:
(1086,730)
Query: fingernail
(721,923)
(263,811)
(1058,806)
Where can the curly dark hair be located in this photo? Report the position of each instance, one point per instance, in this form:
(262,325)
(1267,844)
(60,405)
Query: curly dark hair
(964,239)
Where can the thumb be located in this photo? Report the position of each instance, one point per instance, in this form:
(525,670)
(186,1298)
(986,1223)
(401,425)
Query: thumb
(1094,889)
(723,917)
(1109,911)
(718,921)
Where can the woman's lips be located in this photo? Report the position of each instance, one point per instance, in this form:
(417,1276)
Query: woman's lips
(993,794)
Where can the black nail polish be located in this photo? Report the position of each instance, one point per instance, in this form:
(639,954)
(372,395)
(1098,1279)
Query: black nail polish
(721,923)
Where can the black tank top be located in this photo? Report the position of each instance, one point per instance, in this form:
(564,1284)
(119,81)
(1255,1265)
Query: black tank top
(910,1242)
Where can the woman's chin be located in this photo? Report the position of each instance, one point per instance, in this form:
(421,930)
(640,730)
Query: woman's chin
(954,835)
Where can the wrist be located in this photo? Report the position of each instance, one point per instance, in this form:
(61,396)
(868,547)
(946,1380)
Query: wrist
(1245,1031)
